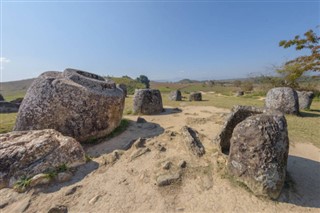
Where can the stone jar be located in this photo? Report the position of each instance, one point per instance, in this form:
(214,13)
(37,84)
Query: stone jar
(147,101)
(305,99)
(175,95)
(76,103)
(283,99)
(195,96)
(259,152)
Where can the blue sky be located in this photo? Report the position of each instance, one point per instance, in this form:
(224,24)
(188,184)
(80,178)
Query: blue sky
(166,40)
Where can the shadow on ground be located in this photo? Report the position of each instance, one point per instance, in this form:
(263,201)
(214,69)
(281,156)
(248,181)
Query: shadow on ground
(310,114)
(81,172)
(303,187)
(125,139)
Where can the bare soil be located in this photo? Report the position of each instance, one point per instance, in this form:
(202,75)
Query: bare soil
(128,181)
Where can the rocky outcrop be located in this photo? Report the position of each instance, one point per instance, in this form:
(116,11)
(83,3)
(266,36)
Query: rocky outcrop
(7,107)
(283,99)
(76,103)
(305,99)
(28,153)
(1,98)
(237,115)
(195,96)
(147,101)
(175,95)
(258,153)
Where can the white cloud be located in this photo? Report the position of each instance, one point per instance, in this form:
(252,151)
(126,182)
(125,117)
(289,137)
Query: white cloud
(4,60)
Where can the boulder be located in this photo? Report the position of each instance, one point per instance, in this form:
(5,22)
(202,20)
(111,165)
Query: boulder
(76,103)
(147,101)
(283,99)
(195,96)
(175,95)
(1,98)
(237,115)
(7,107)
(28,153)
(259,152)
(305,99)
(123,87)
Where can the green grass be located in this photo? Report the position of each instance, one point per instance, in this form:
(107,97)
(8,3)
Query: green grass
(7,122)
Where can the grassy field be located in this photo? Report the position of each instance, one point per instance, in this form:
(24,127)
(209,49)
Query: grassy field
(301,129)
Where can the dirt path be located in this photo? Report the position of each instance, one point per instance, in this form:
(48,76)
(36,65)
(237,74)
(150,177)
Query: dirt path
(128,181)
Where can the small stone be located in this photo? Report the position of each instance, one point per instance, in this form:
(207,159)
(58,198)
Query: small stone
(182,164)
(58,209)
(139,152)
(140,143)
(63,176)
(167,179)
(39,179)
(94,199)
(161,148)
(166,165)
(72,190)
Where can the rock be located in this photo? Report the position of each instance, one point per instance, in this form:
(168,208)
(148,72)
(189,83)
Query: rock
(28,153)
(139,152)
(1,98)
(161,148)
(175,95)
(94,199)
(182,164)
(259,152)
(166,165)
(283,99)
(147,101)
(63,177)
(7,107)
(167,179)
(58,209)
(123,87)
(192,141)
(39,179)
(76,103)
(237,115)
(72,190)
(140,143)
(112,157)
(195,96)
(305,99)
(239,93)
(141,120)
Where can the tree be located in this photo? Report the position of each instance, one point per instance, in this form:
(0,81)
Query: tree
(144,79)
(295,68)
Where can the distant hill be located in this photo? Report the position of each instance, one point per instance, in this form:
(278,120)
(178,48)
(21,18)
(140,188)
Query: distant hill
(15,89)
(187,81)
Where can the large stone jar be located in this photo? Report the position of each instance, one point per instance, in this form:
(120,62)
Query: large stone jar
(76,103)
(305,99)
(147,101)
(283,99)
(259,152)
